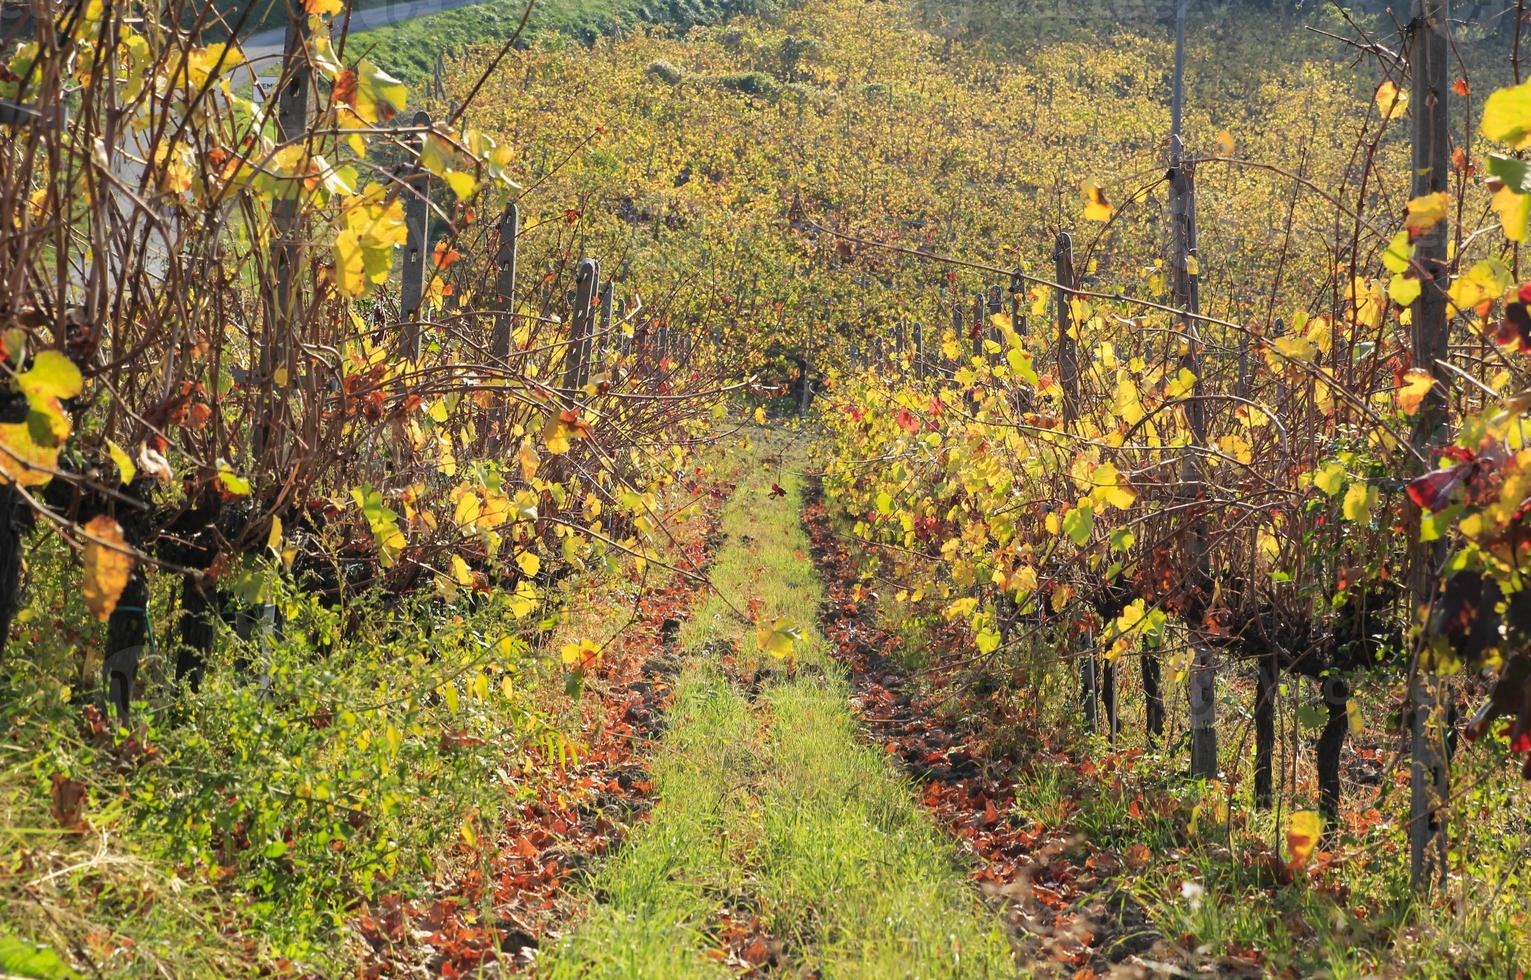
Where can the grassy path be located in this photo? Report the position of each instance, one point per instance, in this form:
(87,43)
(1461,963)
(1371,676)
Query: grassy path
(780,839)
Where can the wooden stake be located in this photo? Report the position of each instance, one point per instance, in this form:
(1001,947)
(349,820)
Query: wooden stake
(417,245)
(577,354)
(276,361)
(1428,782)
(1202,683)
(505,284)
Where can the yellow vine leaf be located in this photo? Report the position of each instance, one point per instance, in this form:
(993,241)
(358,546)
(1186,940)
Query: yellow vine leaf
(1358,503)
(1514,212)
(23,460)
(1330,478)
(1404,290)
(529,461)
(108,565)
(1236,447)
(525,600)
(52,378)
(1111,487)
(29,449)
(579,654)
(1427,211)
(372,93)
(461,573)
(126,471)
(778,638)
(1475,290)
(1507,116)
(233,483)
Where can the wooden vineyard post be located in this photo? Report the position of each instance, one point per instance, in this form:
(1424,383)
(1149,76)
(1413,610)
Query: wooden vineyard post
(503,337)
(919,349)
(417,228)
(959,320)
(577,355)
(976,331)
(1266,686)
(1202,682)
(991,331)
(805,382)
(1428,782)
(1017,310)
(283,314)
(1068,379)
(603,347)
(1068,346)
(505,284)
(1021,397)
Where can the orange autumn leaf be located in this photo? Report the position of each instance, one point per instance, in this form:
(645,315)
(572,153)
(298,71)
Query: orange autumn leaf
(1391,101)
(1302,836)
(1096,207)
(108,565)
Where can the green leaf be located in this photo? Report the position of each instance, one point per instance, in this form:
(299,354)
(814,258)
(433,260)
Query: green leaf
(1516,174)
(1079,523)
(1312,717)
(23,959)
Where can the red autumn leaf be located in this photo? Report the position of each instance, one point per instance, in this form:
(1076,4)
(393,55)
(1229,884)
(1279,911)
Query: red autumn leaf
(1432,492)
(1515,330)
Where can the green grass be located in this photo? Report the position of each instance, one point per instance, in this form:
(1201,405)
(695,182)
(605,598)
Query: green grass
(408,49)
(854,872)
(657,897)
(773,807)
